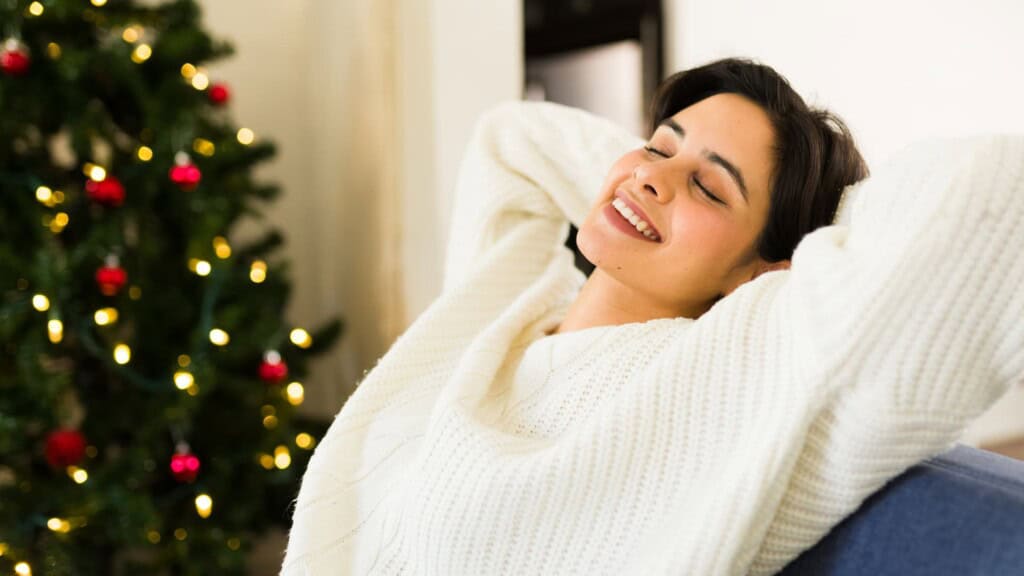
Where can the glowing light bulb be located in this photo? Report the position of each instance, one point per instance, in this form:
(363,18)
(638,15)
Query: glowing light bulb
(245,136)
(55,328)
(221,247)
(183,379)
(122,353)
(219,337)
(23,569)
(200,80)
(304,441)
(282,458)
(301,338)
(204,505)
(145,153)
(35,9)
(105,316)
(77,474)
(40,302)
(258,271)
(44,194)
(141,53)
(294,393)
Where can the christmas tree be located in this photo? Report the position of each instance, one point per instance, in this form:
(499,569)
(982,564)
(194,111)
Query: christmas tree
(149,384)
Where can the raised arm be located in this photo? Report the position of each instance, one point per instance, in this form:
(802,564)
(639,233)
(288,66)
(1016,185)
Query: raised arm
(527,160)
(910,321)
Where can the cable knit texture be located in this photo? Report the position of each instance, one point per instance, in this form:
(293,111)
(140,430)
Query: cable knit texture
(725,445)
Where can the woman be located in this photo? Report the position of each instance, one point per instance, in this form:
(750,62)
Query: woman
(697,405)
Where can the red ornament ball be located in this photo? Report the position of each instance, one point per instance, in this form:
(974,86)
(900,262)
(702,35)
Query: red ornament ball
(184,173)
(109,191)
(184,466)
(219,94)
(14,59)
(110,279)
(64,447)
(273,369)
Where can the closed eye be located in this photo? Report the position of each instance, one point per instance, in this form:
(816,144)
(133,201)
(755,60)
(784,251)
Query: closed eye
(706,191)
(655,151)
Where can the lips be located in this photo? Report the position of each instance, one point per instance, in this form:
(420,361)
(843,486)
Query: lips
(636,210)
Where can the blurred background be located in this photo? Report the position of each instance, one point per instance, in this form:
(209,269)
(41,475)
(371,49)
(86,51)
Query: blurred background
(371,103)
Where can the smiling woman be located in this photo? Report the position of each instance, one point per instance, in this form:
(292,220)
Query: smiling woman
(721,443)
(737,169)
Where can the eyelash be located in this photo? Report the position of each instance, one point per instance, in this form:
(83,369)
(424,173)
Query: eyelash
(695,180)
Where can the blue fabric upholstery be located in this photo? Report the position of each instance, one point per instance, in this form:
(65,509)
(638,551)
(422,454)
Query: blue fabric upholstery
(959,513)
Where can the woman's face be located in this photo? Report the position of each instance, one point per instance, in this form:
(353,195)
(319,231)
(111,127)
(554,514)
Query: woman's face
(703,183)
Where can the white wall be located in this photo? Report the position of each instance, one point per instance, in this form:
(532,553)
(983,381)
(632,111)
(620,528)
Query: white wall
(456,59)
(896,71)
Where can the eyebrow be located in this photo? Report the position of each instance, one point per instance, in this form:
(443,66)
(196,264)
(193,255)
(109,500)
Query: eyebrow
(712,156)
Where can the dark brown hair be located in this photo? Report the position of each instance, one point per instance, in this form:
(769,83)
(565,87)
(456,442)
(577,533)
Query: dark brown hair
(815,156)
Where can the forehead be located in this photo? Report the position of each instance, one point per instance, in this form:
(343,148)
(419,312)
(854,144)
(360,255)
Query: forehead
(735,128)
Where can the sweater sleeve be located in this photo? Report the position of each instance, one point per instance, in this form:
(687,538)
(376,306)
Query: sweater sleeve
(909,320)
(527,160)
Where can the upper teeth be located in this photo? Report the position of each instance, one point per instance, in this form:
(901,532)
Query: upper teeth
(642,226)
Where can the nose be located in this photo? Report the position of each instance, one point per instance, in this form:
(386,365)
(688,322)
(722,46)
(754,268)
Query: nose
(652,178)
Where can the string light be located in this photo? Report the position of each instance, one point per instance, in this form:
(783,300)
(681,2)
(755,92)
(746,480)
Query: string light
(188,70)
(267,461)
(132,34)
(35,9)
(44,194)
(184,360)
(221,247)
(59,222)
(23,569)
(304,441)
(234,543)
(98,3)
(294,393)
(183,379)
(3,548)
(55,328)
(105,316)
(258,271)
(245,136)
(180,534)
(94,172)
(40,303)
(219,337)
(141,53)
(282,458)
(200,267)
(301,338)
(122,354)
(153,536)
(204,505)
(79,475)
(144,153)
(58,525)
(203,146)
(200,81)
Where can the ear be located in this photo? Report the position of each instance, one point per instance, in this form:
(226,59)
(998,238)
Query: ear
(763,267)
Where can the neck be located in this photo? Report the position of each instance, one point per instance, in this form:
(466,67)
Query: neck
(605,301)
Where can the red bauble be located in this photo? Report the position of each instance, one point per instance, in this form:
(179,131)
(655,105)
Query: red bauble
(184,466)
(14,58)
(109,191)
(184,173)
(64,447)
(273,369)
(111,278)
(219,93)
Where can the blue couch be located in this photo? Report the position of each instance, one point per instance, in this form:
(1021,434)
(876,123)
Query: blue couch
(960,513)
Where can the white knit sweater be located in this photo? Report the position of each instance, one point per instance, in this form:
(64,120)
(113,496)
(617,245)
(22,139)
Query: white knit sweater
(725,445)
